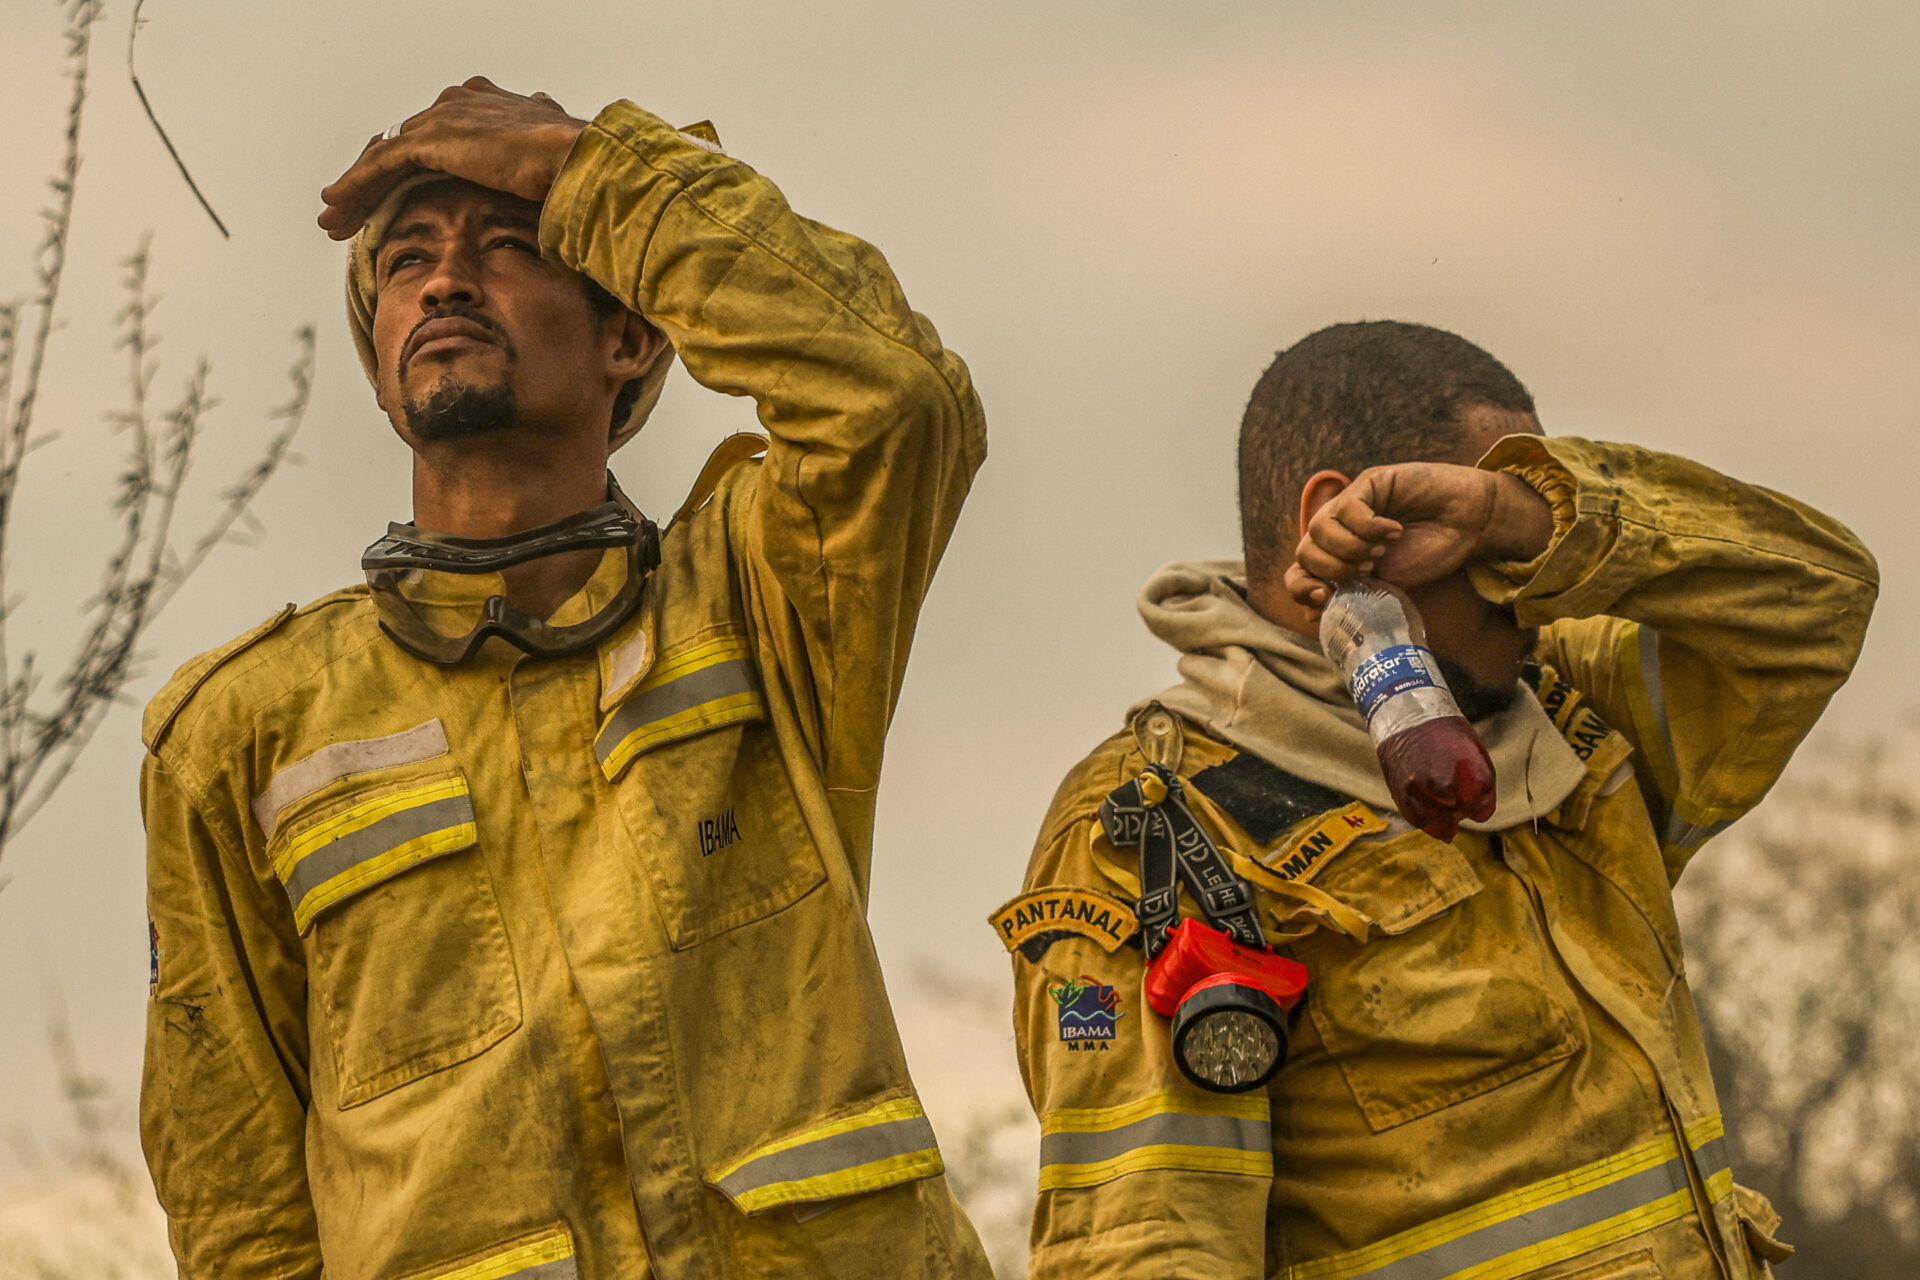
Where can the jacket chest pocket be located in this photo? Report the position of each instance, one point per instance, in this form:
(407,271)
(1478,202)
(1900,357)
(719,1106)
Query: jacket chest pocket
(408,959)
(706,797)
(1443,1004)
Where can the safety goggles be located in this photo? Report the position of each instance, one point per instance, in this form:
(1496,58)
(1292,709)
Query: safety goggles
(440,596)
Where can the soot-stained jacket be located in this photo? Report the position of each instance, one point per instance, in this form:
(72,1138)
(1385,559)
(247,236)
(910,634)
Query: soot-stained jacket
(561,968)
(1499,1072)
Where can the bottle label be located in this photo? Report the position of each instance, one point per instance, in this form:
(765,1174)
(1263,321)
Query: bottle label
(1391,672)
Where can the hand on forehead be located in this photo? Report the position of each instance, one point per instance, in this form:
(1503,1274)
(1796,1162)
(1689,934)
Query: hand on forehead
(476,131)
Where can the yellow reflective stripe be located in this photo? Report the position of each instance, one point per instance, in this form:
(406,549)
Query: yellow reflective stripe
(1707,1137)
(548,1256)
(701,688)
(364,814)
(374,870)
(701,655)
(372,841)
(730,709)
(1246,1106)
(1669,1208)
(1705,1130)
(870,1176)
(1167,1155)
(881,1146)
(1216,1133)
(1532,1227)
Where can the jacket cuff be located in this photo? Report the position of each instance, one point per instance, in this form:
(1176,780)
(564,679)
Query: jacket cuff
(624,170)
(1597,526)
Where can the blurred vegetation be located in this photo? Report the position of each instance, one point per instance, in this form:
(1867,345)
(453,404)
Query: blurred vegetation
(49,709)
(1802,928)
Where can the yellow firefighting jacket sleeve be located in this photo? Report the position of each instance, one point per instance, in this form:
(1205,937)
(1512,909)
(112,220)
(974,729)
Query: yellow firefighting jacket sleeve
(224,1094)
(1141,1173)
(876,431)
(1707,619)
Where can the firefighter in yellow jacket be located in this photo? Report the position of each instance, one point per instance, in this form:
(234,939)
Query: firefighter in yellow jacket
(508,910)
(1496,1071)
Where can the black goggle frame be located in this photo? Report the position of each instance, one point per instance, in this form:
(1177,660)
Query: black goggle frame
(614,523)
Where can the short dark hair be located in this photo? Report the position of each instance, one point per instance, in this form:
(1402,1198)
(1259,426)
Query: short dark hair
(605,307)
(1349,397)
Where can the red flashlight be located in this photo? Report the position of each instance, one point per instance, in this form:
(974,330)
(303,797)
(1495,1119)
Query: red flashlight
(1229,1004)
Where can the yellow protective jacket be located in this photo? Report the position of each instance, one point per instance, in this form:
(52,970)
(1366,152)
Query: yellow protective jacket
(1506,1077)
(561,968)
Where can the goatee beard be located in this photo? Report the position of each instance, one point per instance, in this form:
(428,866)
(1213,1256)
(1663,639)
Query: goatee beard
(459,410)
(1477,701)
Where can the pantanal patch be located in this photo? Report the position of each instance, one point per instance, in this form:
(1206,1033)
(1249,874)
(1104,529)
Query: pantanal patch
(1036,920)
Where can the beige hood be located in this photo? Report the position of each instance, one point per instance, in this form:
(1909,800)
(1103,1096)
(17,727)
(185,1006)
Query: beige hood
(1269,691)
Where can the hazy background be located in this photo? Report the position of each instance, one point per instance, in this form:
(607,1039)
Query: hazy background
(1688,226)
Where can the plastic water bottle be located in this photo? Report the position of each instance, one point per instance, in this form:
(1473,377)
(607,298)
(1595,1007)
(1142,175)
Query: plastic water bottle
(1435,764)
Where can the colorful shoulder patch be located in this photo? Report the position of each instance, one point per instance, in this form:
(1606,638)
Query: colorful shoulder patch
(1088,1010)
(1035,921)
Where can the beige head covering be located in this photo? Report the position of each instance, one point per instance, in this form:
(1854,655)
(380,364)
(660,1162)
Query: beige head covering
(1266,690)
(362,292)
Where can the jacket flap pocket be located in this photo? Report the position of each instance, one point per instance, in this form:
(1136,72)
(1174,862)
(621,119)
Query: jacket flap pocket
(882,1146)
(1402,880)
(354,842)
(701,687)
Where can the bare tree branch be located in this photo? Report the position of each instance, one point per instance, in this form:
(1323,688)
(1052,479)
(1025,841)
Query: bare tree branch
(133,33)
(48,272)
(145,567)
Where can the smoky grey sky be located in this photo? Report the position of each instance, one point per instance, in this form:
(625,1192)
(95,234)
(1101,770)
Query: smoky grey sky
(1689,226)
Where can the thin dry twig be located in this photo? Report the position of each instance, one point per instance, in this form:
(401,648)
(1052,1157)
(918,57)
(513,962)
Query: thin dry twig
(49,270)
(133,33)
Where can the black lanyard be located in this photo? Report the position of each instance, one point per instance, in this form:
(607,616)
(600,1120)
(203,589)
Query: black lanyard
(1172,844)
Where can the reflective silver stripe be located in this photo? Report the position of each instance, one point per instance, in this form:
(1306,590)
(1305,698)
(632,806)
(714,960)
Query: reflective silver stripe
(344,759)
(1679,832)
(1656,692)
(370,841)
(1687,835)
(702,685)
(1234,1133)
(558,1269)
(1536,1226)
(1711,1157)
(831,1154)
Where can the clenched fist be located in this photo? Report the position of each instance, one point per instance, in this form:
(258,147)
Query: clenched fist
(1415,522)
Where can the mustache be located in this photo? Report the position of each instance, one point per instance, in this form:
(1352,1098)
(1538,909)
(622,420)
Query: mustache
(460,311)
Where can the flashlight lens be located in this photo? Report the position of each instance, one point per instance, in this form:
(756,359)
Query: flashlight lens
(1229,1036)
(1231,1048)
